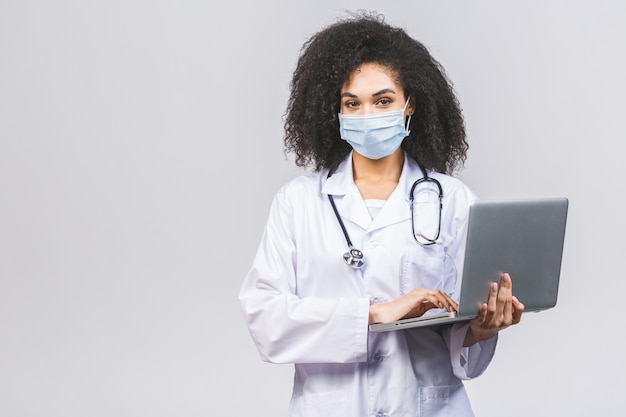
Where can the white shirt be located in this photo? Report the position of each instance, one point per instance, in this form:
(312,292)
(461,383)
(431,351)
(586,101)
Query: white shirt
(305,306)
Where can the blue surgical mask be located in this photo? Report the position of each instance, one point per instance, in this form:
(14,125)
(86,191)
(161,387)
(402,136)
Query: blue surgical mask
(374,135)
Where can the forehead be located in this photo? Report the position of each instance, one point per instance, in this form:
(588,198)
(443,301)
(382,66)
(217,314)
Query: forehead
(371,76)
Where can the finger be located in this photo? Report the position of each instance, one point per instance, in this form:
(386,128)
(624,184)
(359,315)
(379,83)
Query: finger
(506,292)
(505,280)
(482,314)
(505,309)
(518,309)
(442,300)
(421,309)
(491,304)
(450,304)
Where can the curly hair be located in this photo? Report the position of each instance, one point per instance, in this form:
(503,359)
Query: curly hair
(437,139)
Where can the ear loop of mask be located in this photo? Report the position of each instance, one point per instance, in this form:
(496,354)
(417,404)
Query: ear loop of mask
(408,122)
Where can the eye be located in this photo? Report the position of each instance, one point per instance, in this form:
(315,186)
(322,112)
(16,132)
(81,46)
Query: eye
(351,104)
(384,102)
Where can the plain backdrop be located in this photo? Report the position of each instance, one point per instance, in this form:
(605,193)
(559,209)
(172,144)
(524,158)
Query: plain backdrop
(140,148)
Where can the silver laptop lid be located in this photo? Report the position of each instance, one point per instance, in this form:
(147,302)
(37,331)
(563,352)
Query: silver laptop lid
(522,237)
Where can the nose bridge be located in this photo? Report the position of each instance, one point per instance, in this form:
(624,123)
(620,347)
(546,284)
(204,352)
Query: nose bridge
(367,108)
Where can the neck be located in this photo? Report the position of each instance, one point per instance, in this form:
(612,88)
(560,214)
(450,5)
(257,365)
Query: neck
(389,167)
(377,178)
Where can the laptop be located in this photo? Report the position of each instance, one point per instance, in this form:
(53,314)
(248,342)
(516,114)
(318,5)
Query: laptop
(523,237)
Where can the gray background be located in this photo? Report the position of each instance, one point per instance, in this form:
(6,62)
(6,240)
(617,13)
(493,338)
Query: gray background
(140,147)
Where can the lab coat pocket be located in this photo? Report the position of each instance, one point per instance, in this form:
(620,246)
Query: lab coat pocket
(428,267)
(440,401)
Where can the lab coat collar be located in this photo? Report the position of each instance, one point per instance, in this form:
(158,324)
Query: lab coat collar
(351,206)
(342,180)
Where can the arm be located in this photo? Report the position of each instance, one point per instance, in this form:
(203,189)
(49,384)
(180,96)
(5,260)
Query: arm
(469,361)
(286,326)
(472,344)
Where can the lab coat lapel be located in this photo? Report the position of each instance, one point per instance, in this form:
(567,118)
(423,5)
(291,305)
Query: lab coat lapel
(351,206)
(347,196)
(397,207)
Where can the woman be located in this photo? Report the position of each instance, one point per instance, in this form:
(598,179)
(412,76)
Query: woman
(371,112)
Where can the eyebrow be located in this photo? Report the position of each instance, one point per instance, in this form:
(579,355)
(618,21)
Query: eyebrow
(376,94)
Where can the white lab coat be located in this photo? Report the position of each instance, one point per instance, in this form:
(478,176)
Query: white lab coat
(305,306)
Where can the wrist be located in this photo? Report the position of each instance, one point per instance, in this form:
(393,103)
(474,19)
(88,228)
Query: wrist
(373,315)
(476,334)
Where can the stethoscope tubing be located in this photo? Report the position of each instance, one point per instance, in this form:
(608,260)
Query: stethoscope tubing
(354,257)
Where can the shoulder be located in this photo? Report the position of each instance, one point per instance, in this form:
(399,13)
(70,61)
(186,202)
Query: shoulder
(301,188)
(457,196)
(454,187)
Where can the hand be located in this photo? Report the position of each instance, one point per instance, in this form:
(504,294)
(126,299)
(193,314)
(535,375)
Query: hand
(413,304)
(501,310)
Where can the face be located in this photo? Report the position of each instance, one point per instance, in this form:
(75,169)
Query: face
(371,89)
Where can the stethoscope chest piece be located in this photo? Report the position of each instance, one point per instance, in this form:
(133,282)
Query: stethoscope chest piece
(354,258)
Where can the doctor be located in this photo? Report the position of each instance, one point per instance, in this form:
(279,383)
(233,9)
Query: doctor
(371,112)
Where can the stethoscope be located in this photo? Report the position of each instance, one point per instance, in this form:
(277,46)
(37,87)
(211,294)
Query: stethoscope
(354,257)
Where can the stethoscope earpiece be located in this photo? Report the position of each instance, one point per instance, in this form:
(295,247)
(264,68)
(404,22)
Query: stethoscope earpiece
(354,258)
